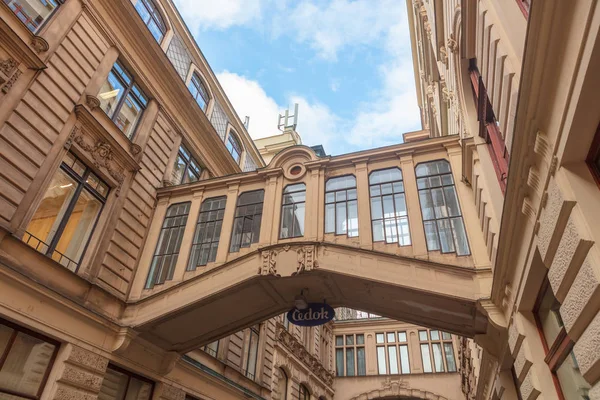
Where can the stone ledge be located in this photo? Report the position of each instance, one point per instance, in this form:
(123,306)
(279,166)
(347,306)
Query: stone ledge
(528,388)
(522,362)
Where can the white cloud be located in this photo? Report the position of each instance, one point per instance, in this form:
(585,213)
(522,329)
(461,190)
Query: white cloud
(219,14)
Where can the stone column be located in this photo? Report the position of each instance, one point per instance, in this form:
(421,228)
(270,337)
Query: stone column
(77,374)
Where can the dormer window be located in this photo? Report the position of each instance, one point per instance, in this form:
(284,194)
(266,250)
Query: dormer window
(234,147)
(151,17)
(199,91)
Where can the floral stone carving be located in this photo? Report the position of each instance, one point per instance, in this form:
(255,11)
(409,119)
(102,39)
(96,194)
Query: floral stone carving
(102,156)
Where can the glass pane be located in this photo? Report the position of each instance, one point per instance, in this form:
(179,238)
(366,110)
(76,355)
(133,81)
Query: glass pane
(446,238)
(138,390)
(447,179)
(426,358)
(360,362)
(400,203)
(351,194)
(340,196)
(431,235)
(398,187)
(393,359)
(437,357)
(435,181)
(391,337)
(252,355)
(128,115)
(386,188)
(375,190)
(386,175)
(381,367)
(379,338)
(422,335)
(422,183)
(339,362)
(388,207)
(352,218)
(79,227)
(178,170)
(294,188)
(287,221)
(299,220)
(439,203)
(376,212)
(26,364)
(343,182)
(435,335)
(403,231)
(426,204)
(402,337)
(113,386)
(330,218)
(340,218)
(339,340)
(452,201)
(460,235)
(450,357)
(350,361)
(110,94)
(573,386)
(360,339)
(349,339)
(446,336)
(404,361)
(378,231)
(549,317)
(51,211)
(391,235)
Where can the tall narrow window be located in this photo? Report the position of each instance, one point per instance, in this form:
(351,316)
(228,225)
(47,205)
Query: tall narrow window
(119,384)
(392,353)
(252,352)
(248,215)
(199,91)
(33,13)
(444,227)
(25,363)
(292,211)
(122,99)
(234,147)
(437,346)
(151,17)
(303,393)
(282,385)
(341,207)
(208,232)
(350,355)
(339,355)
(186,168)
(389,216)
(65,219)
(169,242)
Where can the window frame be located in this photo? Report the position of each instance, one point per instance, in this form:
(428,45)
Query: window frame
(44,22)
(187,160)
(130,375)
(128,88)
(197,80)
(354,346)
(233,139)
(397,345)
(200,244)
(283,204)
(441,342)
(303,392)
(449,218)
(4,355)
(383,218)
(253,330)
(286,382)
(335,203)
(81,185)
(252,241)
(162,20)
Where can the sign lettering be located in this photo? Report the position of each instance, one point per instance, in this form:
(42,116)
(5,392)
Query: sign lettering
(315,314)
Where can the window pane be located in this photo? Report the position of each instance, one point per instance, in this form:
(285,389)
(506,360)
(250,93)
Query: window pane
(381,367)
(339,340)
(350,361)
(349,339)
(360,362)
(446,238)
(26,364)
(352,218)
(376,210)
(79,227)
(452,201)
(549,317)
(573,386)
(339,362)
(343,182)
(426,358)
(360,339)
(393,359)
(128,115)
(402,337)
(439,203)
(113,386)
(388,207)
(378,231)
(422,335)
(431,235)
(138,390)
(403,231)
(446,336)
(252,355)
(404,361)
(435,335)
(391,337)
(379,338)
(458,228)
(437,357)
(391,235)
(110,94)
(426,204)
(330,218)
(450,357)
(208,232)
(400,202)
(340,217)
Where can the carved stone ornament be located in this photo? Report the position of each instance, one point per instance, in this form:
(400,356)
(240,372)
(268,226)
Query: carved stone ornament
(11,81)
(427,27)
(388,383)
(306,259)
(268,264)
(423,12)
(39,44)
(452,44)
(92,102)
(102,156)
(135,149)
(74,132)
(443,55)
(8,66)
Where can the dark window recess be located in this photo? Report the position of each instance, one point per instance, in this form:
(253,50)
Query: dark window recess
(489,127)
(246,224)
(292,211)
(119,384)
(67,215)
(208,232)
(152,18)
(25,363)
(33,13)
(303,393)
(593,158)
(198,90)
(169,242)
(186,168)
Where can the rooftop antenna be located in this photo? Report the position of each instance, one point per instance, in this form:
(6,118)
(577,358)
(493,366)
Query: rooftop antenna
(246,122)
(289,121)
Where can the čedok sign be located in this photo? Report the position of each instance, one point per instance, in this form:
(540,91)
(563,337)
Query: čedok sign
(315,314)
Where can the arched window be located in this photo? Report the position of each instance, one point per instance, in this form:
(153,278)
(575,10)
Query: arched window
(282,385)
(234,147)
(292,211)
(442,218)
(199,91)
(303,393)
(151,17)
(389,217)
(341,207)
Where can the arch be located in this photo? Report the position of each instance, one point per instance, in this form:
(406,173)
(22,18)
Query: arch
(298,154)
(234,145)
(304,391)
(283,382)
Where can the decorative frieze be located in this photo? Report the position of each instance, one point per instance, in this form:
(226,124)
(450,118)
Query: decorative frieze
(102,157)
(268,263)
(8,66)
(306,259)
(9,73)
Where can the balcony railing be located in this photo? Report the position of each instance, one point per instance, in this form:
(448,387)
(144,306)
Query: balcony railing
(44,248)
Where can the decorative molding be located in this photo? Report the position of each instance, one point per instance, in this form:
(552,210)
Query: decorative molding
(168,362)
(452,44)
(39,44)
(444,55)
(528,209)
(541,147)
(533,178)
(388,383)
(268,264)
(8,66)
(11,81)
(123,340)
(553,165)
(74,132)
(135,149)
(102,157)
(306,259)
(92,102)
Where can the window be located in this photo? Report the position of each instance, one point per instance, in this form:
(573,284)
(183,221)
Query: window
(389,217)
(212,348)
(286,321)
(292,211)
(186,168)
(234,147)
(208,232)
(558,347)
(25,363)
(438,346)
(119,384)
(282,385)
(392,353)
(252,352)
(246,224)
(122,99)
(593,158)
(33,13)
(341,207)
(444,227)
(199,91)
(303,393)
(169,242)
(350,355)
(65,219)
(151,17)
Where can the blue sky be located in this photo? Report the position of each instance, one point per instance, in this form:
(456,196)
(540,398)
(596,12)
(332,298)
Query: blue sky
(347,63)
